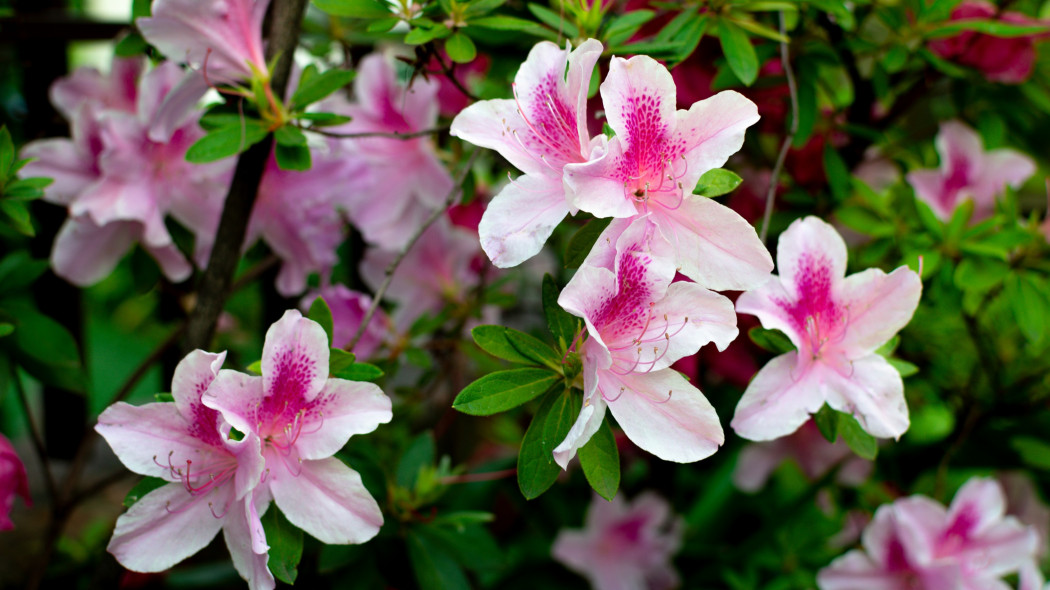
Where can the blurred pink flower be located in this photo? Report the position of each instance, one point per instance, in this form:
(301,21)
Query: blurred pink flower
(836,323)
(13,482)
(451,99)
(624,546)
(655,160)
(214,478)
(968,172)
(1024,503)
(1009,60)
(916,543)
(348,310)
(638,324)
(540,131)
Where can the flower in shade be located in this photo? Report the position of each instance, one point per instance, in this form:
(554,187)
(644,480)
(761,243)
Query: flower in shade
(968,172)
(1009,60)
(655,160)
(624,546)
(638,324)
(915,543)
(836,324)
(13,482)
(540,131)
(348,311)
(809,449)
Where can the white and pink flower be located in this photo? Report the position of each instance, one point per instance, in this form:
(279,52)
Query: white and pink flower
(13,482)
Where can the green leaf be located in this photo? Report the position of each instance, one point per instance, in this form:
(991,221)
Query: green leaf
(553,20)
(322,314)
(837,173)
(18,215)
(510,23)
(1033,451)
(739,52)
(290,136)
(860,442)
(19,270)
(435,568)
(717,182)
(460,48)
(286,545)
(561,323)
(995,28)
(827,421)
(7,154)
(418,455)
(324,119)
(479,7)
(319,86)
(293,157)
(601,462)
(470,544)
(143,487)
(1029,305)
(624,26)
(227,141)
(359,372)
(166,398)
(339,360)
(583,240)
(354,8)
(42,338)
(980,273)
(864,221)
(503,390)
(514,346)
(421,35)
(536,467)
(959,220)
(774,341)
(130,45)
(903,367)
(5,329)
(930,423)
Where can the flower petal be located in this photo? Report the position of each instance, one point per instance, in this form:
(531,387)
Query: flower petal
(237,531)
(808,243)
(589,421)
(341,410)
(328,501)
(295,358)
(193,375)
(877,307)
(149,438)
(873,393)
(518,220)
(778,401)
(85,252)
(712,130)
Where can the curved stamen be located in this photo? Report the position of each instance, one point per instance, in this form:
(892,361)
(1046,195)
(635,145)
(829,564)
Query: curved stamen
(613,399)
(542,137)
(225,509)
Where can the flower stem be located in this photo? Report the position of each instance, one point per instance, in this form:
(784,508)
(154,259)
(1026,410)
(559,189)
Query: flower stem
(771,193)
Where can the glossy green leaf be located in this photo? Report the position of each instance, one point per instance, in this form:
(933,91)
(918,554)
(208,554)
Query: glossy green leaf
(322,314)
(419,454)
(1029,305)
(339,360)
(837,173)
(600,461)
(739,52)
(510,23)
(827,421)
(227,141)
(774,341)
(292,157)
(434,566)
(717,182)
(860,442)
(143,487)
(561,323)
(995,28)
(504,390)
(286,545)
(460,48)
(319,86)
(583,240)
(558,22)
(517,347)
(536,467)
(18,216)
(354,8)
(359,372)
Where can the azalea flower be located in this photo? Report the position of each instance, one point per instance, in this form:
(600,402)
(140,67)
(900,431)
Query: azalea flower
(1009,60)
(809,449)
(540,131)
(303,418)
(405,181)
(968,172)
(222,38)
(348,310)
(13,482)
(836,324)
(624,546)
(638,324)
(916,543)
(655,160)
(213,473)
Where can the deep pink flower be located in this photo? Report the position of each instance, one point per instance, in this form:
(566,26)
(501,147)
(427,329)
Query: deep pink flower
(836,323)
(348,310)
(1009,60)
(540,131)
(655,160)
(13,482)
(968,172)
(214,478)
(638,324)
(624,546)
(809,449)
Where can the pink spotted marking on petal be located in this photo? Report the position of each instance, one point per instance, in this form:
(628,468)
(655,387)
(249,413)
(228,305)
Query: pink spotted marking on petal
(552,123)
(653,161)
(628,312)
(815,312)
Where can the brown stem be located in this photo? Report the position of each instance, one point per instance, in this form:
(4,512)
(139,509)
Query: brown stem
(771,193)
(474,477)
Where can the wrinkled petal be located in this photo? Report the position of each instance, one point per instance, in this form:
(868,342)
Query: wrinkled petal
(778,400)
(345,408)
(236,396)
(518,220)
(713,129)
(877,307)
(328,501)
(804,243)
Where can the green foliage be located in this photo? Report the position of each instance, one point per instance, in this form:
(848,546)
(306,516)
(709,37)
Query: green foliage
(600,461)
(286,545)
(717,182)
(536,467)
(227,140)
(583,240)
(504,390)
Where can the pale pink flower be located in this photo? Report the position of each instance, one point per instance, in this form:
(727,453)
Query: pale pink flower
(348,310)
(808,448)
(638,324)
(1009,60)
(1023,501)
(836,324)
(655,160)
(303,418)
(405,181)
(117,90)
(540,131)
(214,478)
(624,546)
(223,38)
(915,543)
(968,172)
(13,482)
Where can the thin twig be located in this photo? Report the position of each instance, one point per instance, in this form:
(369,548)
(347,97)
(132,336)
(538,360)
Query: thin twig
(771,194)
(249,276)
(450,73)
(38,441)
(411,135)
(476,477)
(392,268)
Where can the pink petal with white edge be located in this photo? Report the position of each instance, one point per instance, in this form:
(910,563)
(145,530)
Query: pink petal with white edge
(170,518)
(664,414)
(873,393)
(341,410)
(716,247)
(809,243)
(586,294)
(85,253)
(145,438)
(877,307)
(193,375)
(328,501)
(639,99)
(518,220)
(779,399)
(250,564)
(587,423)
(295,358)
(977,505)
(237,397)
(712,130)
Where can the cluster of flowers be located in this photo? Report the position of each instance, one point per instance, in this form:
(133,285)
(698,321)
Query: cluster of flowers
(230,443)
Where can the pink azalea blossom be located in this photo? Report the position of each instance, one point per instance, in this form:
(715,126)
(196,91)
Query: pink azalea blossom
(540,131)
(624,546)
(655,160)
(1009,60)
(348,310)
(221,37)
(303,418)
(214,478)
(968,172)
(915,543)
(836,323)
(13,482)
(638,324)
(809,449)
(405,181)
(1024,503)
